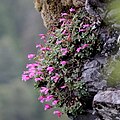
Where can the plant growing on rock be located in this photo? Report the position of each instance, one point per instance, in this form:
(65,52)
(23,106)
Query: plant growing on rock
(58,65)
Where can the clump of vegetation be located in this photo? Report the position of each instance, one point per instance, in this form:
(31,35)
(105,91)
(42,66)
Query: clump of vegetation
(58,64)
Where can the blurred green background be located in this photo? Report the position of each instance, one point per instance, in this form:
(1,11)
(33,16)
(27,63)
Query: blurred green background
(20,25)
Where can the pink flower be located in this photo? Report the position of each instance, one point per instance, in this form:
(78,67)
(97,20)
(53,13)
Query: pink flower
(78,49)
(62,19)
(47,106)
(64,51)
(84,46)
(45,49)
(25,77)
(58,42)
(62,87)
(30,56)
(63,24)
(50,69)
(39,79)
(55,78)
(42,36)
(44,90)
(38,46)
(82,30)
(72,10)
(86,25)
(49,97)
(55,102)
(31,74)
(64,32)
(64,14)
(42,99)
(58,113)
(39,73)
(31,66)
(63,62)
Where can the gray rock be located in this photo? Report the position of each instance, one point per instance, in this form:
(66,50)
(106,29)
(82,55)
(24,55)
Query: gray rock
(87,116)
(92,76)
(107,104)
(101,59)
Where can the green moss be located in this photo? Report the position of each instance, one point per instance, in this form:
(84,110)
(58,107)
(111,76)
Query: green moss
(113,73)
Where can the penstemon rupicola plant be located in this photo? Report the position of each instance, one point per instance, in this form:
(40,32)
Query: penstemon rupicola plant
(58,64)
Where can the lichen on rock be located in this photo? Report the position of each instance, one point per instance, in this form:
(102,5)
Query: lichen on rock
(51,9)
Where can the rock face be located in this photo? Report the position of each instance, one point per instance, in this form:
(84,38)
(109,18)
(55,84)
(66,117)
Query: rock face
(107,105)
(93,77)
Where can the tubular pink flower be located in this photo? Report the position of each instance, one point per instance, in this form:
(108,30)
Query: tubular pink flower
(42,99)
(72,10)
(49,97)
(55,102)
(63,24)
(84,46)
(38,46)
(39,73)
(62,87)
(25,77)
(42,36)
(64,51)
(64,14)
(78,49)
(32,65)
(47,106)
(86,25)
(55,78)
(64,32)
(50,69)
(58,42)
(63,62)
(58,113)
(82,30)
(31,74)
(25,72)
(44,90)
(62,19)
(39,79)
(30,56)
(45,49)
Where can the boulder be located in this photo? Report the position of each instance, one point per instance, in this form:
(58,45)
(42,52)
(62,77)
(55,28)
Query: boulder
(107,104)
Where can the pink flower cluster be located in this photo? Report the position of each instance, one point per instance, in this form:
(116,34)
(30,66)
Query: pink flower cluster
(63,62)
(55,78)
(38,70)
(44,90)
(83,29)
(46,99)
(32,71)
(48,106)
(50,69)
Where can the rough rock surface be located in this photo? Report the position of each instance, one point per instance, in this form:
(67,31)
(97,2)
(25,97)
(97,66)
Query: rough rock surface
(107,105)
(92,76)
(88,116)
